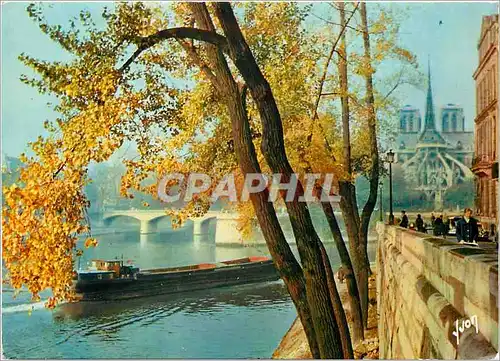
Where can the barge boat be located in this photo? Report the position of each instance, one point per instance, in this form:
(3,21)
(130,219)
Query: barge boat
(112,280)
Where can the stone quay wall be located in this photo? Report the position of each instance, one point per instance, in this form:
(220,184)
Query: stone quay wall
(425,285)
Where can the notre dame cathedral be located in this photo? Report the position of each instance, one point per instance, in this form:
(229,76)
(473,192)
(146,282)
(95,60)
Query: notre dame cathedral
(434,160)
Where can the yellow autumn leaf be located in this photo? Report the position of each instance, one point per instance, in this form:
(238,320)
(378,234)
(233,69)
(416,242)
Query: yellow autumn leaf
(90,242)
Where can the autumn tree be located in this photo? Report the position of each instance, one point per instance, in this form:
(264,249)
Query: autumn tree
(250,110)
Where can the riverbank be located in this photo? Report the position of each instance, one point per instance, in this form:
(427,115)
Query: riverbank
(294,343)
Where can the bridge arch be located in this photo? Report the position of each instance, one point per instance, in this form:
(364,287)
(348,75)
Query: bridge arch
(201,225)
(147,224)
(108,219)
(159,218)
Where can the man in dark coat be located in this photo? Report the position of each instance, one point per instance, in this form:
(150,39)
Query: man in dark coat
(440,228)
(404,220)
(437,226)
(419,223)
(446,226)
(467,229)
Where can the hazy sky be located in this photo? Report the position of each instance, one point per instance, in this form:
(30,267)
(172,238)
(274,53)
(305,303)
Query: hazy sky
(452,47)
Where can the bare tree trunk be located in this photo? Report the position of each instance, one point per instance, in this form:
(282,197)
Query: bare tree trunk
(355,246)
(347,188)
(372,129)
(320,304)
(352,288)
(284,260)
(353,294)
(337,306)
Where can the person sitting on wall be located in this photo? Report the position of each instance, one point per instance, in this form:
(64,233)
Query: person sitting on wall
(404,220)
(467,229)
(419,223)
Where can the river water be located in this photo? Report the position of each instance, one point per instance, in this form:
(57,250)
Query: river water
(235,322)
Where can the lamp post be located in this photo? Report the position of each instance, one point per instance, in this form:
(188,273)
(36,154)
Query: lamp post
(381,212)
(390,159)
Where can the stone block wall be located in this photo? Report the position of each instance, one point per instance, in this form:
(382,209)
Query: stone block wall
(424,285)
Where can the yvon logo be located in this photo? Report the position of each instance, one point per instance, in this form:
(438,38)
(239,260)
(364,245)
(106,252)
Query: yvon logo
(466,324)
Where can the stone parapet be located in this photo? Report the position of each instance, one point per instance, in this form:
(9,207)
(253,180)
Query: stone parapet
(425,285)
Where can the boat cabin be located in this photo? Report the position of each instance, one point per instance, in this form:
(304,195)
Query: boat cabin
(95,275)
(103,265)
(100,269)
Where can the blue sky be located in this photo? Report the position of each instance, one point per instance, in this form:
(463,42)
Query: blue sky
(451,46)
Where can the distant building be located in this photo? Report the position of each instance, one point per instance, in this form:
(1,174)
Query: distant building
(434,160)
(10,164)
(10,171)
(410,123)
(485,164)
(452,119)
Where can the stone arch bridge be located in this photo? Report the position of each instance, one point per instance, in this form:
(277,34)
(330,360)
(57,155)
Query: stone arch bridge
(226,223)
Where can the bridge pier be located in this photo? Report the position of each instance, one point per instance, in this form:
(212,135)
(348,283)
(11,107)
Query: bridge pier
(148,227)
(197,228)
(226,231)
(201,227)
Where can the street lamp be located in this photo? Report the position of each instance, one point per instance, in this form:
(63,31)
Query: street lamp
(390,159)
(381,212)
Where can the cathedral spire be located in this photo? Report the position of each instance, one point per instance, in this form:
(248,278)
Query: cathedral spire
(430,122)
(429,134)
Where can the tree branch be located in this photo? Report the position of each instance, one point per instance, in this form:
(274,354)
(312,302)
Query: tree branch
(334,23)
(195,58)
(144,43)
(323,78)
(329,59)
(327,94)
(62,165)
(334,6)
(348,26)
(340,55)
(398,83)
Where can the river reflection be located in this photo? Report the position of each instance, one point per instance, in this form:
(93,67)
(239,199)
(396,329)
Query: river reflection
(212,300)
